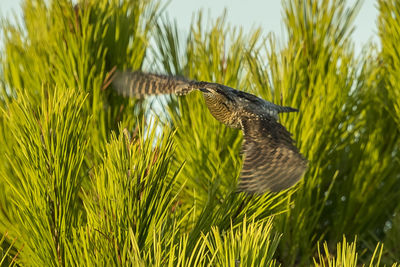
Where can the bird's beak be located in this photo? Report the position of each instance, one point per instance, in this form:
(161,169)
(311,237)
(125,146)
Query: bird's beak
(204,90)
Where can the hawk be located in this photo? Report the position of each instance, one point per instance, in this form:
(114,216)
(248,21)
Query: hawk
(271,160)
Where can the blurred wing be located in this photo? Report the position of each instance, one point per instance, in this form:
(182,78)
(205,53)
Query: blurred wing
(137,84)
(271,161)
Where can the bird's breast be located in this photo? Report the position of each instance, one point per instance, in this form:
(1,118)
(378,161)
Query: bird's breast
(222,112)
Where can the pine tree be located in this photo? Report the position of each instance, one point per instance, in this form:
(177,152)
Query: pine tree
(89,177)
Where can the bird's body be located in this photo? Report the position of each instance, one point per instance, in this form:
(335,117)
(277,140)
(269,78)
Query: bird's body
(271,161)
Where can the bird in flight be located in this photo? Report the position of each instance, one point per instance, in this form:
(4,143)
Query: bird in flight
(271,160)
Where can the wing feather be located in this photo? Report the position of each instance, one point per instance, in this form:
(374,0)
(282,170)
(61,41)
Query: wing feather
(271,160)
(138,84)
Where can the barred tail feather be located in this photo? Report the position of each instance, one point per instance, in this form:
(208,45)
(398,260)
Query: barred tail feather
(282,109)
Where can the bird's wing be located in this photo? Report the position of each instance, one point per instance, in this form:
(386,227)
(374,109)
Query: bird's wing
(271,161)
(137,84)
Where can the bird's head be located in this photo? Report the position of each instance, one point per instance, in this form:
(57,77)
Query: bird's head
(220,102)
(208,88)
(218,93)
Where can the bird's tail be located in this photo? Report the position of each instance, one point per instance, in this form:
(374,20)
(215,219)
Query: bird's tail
(282,109)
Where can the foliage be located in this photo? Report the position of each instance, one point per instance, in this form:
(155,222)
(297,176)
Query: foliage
(346,255)
(92,178)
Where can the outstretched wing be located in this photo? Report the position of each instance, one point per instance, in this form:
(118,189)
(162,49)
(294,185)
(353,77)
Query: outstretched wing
(271,161)
(137,84)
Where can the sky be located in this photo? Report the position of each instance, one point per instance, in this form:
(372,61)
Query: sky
(248,14)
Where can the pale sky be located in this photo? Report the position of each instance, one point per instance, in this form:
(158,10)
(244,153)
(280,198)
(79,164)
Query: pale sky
(264,13)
